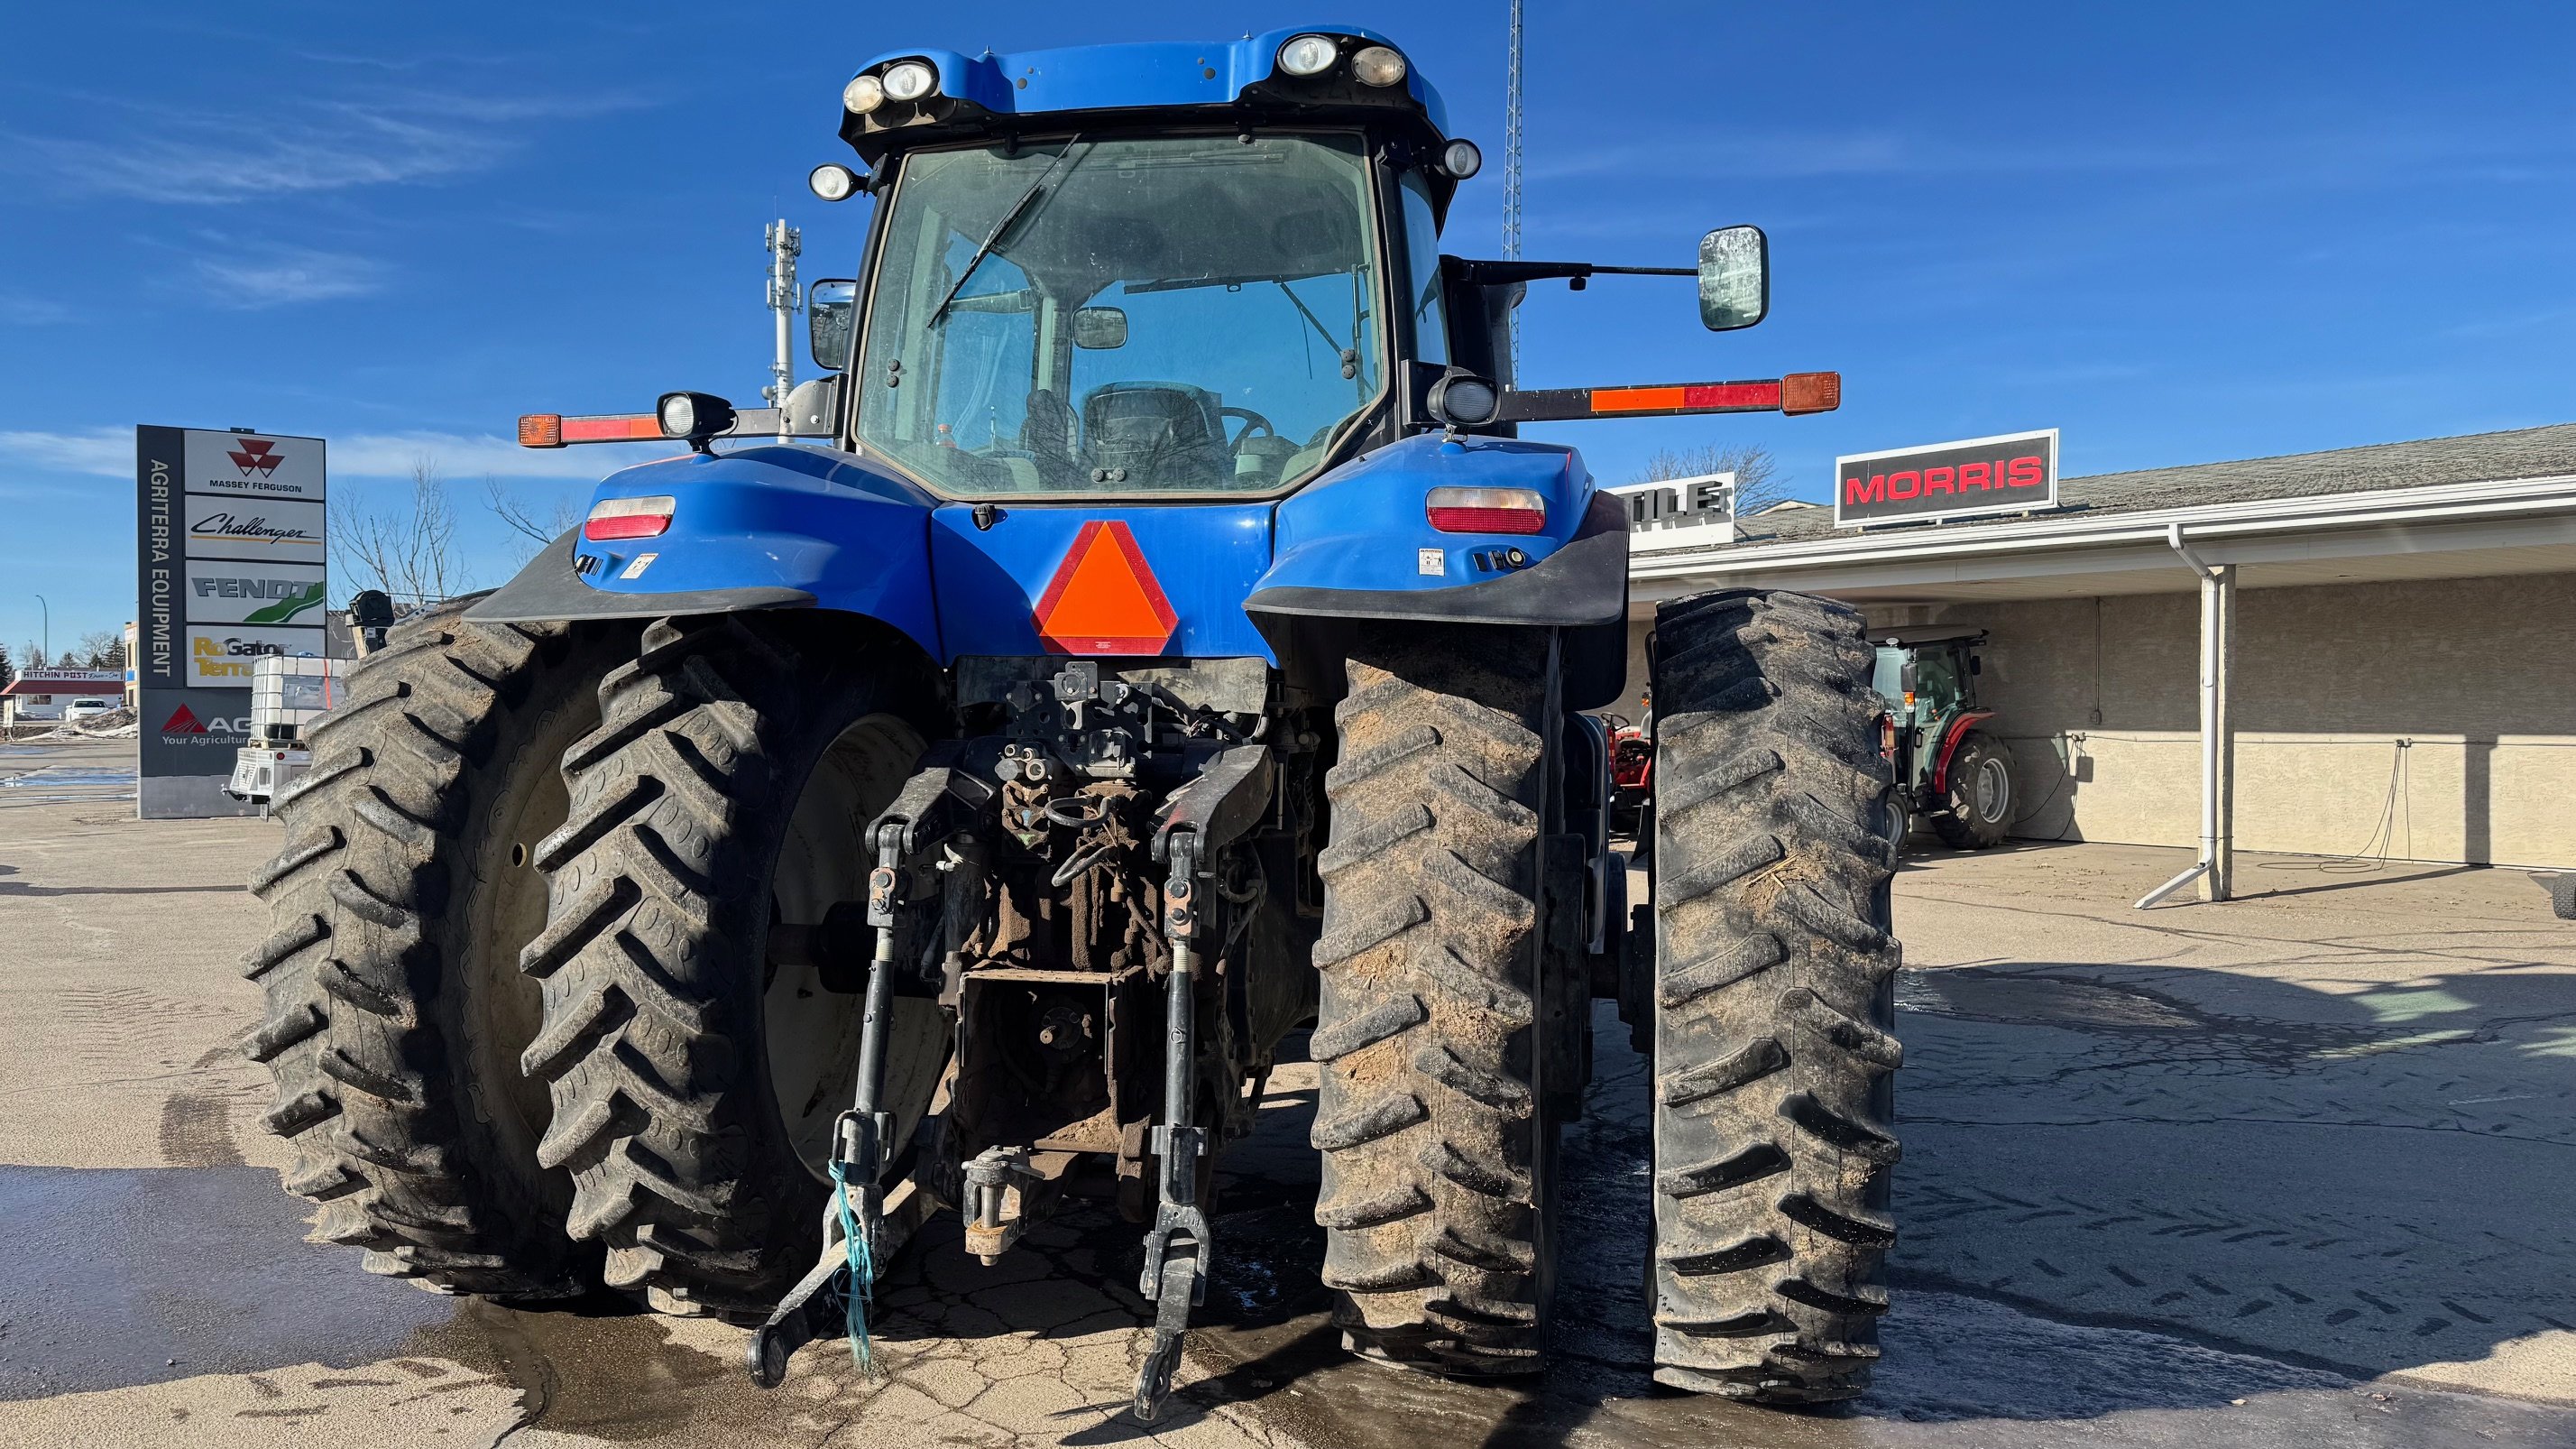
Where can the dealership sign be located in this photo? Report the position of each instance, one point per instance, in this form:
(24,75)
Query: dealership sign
(2014,473)
(229,567)
(1679,512)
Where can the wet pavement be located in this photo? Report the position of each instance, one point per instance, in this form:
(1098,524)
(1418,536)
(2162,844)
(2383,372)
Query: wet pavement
(67,772)
(2288,1172)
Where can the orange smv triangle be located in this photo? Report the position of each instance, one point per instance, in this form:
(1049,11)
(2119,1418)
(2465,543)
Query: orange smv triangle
(1103,599)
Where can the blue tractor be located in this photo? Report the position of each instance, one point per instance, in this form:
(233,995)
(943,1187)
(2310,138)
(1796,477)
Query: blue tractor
(948,790)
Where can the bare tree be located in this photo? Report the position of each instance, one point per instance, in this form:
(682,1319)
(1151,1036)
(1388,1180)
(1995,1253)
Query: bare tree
(410,553)
(105,648)
(524,520)
(1757,474)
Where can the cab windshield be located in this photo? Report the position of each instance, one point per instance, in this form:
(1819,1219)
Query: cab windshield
(1175,314)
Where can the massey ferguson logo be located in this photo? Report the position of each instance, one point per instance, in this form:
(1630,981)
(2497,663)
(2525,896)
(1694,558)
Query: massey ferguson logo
(256,455)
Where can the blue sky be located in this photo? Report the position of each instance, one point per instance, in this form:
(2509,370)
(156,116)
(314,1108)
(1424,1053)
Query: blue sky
(2179,232)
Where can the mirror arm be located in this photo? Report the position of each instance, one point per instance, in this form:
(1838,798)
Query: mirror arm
(1503,274)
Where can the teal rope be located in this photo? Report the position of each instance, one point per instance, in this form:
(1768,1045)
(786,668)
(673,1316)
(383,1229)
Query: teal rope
(863,1277)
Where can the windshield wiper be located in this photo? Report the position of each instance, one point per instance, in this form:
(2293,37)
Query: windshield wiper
(993,238)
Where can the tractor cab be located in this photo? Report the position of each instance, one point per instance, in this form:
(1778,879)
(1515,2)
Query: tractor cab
(1947,769)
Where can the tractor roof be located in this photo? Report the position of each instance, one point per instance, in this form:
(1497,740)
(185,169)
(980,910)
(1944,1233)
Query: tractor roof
(998,92)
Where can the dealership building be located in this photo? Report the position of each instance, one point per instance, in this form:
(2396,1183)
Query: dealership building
(2378,638)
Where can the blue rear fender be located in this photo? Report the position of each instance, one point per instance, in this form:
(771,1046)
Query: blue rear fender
(762,528)
(1358,541)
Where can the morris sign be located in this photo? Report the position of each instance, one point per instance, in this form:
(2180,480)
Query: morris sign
(2015,473)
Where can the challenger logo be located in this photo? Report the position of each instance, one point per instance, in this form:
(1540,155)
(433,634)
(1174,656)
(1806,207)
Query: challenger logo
(256,455)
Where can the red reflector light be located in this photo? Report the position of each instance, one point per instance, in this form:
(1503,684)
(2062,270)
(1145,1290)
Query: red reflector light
(614,518)
(612,428)
(1811,392)
(630,525)
(1486,510)
(541,430)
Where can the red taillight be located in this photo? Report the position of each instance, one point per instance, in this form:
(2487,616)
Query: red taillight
(1486,510)
(614,518)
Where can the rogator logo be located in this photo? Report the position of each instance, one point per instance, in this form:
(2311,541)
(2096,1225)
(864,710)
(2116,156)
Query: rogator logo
(289,597)
(2016,473)
(228,658)
(256,456)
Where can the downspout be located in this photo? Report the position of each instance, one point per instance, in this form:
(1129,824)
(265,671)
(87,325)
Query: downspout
(2213,660)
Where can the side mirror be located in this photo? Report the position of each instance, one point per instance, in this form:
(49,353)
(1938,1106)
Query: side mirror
(830,310)
(1099,328)
(1734,278)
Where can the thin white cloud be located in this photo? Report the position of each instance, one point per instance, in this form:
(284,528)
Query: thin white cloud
(457,457)
(283,275)
(320,146)
(22,310)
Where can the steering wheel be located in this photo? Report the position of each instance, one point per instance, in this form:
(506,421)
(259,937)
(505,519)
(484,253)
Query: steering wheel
(1251,421)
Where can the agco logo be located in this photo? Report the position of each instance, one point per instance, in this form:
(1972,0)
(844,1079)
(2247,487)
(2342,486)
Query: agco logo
(256,455)
(228,658)
(184,721)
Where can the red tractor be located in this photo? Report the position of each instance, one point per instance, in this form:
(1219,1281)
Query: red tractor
(1632,771)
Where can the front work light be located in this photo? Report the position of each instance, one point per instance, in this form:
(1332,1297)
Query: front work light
(910,80)
(1309,55)
(863,95)
(1377,66)
(1461,159)
(832,181)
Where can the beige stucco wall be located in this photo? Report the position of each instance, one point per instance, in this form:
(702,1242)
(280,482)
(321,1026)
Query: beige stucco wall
(2430,720)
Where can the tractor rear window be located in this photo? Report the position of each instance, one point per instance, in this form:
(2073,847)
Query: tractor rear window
(1165,315)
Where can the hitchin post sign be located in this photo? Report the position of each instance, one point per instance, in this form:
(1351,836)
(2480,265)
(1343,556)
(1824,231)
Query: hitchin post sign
(2015,473)
(229,566)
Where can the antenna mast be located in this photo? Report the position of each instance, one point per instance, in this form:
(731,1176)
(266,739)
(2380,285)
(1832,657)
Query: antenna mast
(784,243)
(1512,172)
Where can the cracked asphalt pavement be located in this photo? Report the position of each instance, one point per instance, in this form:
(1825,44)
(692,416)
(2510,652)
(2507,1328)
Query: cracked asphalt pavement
(2291,1171)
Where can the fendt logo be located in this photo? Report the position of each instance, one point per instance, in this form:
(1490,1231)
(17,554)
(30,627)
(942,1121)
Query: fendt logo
(256,455)
(289,597)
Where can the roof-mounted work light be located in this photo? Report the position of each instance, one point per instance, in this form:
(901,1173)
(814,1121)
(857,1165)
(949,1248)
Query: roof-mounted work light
(1376,65)
(1309,55)
(863,95)
(910,80)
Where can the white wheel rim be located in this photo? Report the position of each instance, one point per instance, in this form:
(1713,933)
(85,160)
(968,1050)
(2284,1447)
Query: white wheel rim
(1994,789)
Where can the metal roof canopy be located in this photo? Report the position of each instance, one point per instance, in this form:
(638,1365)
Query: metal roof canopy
(2461,526)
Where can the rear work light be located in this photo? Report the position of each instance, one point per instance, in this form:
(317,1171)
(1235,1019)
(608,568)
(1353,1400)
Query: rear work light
(613,518)
(1486,510)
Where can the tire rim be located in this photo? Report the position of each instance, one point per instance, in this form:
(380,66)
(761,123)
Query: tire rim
(1993,789)
(810,1036)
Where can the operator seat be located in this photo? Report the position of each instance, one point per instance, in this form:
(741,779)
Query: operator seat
(1046,435)
(1160,434)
